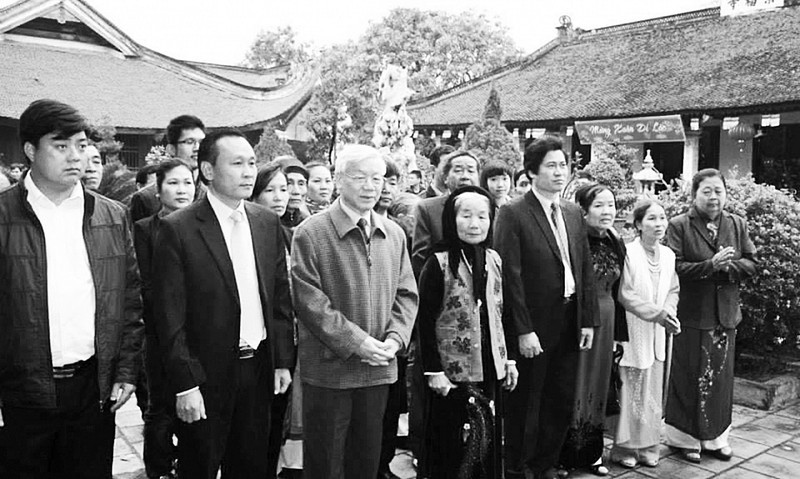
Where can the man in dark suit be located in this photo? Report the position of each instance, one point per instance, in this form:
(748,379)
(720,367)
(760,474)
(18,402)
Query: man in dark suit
(222,308)
(549,303)
(184,134)
(460,168)
(437,186)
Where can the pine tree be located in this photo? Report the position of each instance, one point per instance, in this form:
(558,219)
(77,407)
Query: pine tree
(489,140)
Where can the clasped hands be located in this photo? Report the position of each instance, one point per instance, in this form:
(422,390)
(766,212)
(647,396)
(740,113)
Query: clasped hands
(378,353)
(722,260)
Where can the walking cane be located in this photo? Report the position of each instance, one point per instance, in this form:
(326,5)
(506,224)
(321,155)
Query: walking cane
(667,371)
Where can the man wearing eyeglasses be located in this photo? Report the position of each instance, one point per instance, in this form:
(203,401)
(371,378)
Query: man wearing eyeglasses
(184,134)
(356,300)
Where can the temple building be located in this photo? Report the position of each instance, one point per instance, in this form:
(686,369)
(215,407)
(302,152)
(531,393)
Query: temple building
(67,51)
(730,75)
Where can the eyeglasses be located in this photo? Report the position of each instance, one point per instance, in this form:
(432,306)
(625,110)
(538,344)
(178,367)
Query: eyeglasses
(190,141)
(361,180)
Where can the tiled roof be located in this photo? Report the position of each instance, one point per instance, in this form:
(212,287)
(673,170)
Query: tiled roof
(690,63)
(258,78)
(137,88)
(141,93)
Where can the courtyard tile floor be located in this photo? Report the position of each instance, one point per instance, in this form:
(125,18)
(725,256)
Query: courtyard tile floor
(765,444)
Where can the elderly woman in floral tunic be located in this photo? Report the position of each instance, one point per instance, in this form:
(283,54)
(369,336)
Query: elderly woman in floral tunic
(462,342)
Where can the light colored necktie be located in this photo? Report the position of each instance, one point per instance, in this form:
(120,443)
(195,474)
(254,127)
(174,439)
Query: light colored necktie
(251,328)
(562,241)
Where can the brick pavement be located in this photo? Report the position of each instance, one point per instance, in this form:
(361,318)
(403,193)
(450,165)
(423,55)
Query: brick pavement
(766,445)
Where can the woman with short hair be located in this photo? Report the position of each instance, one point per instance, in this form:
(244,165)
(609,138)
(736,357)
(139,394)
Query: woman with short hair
(714,255)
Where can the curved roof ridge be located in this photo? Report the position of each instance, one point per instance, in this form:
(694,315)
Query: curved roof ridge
(704,14)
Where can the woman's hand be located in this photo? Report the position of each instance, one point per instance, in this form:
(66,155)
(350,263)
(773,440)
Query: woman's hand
(440,384)
(512,376)
(722,259)
(672,325)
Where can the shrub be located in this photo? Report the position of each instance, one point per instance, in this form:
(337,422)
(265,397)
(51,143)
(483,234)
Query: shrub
(607,172)
(770,299)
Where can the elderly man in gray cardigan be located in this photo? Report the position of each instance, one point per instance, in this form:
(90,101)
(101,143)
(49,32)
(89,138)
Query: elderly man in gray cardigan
(356,300)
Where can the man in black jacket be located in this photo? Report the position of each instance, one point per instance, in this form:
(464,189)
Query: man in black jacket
(70,329)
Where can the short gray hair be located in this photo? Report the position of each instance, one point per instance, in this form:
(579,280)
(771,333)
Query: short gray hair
(354,154)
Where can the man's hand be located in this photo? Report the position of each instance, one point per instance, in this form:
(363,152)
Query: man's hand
(512,376)
(190,407)
(283,378)
(587,338)
(529,345)
(375,353)
(440,384)
(120,393)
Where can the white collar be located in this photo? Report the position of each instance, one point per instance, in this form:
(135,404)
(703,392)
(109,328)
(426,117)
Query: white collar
(544,201)
(35,195)
(221,210)
(354,215)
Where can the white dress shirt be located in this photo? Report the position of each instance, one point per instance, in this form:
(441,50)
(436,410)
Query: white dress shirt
(569,279)
(252,313)
(71,300)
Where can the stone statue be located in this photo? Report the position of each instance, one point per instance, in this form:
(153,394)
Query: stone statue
(394,128)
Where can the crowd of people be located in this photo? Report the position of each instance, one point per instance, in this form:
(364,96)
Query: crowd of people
(275,321)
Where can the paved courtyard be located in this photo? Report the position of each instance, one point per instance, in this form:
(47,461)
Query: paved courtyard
(765,444)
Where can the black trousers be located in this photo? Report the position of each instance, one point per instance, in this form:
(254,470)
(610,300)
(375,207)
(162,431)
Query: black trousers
(395,406)
(280,404)
(539,410)
(159,418)
(73,441)
(342,431)
(236,434)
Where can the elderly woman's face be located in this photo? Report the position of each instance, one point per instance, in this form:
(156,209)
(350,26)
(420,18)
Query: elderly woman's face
(602,211)
(710,196)
(472,218)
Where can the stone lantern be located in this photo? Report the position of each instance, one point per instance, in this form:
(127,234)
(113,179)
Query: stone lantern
(647,177)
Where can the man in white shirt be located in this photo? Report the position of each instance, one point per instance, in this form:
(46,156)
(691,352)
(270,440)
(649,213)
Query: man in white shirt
(223,316)
(70,329)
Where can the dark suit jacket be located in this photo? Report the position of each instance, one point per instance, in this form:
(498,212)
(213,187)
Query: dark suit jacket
(196,300)
(144,203)
(428,230)
(705,292)
(533,273)
(144,232)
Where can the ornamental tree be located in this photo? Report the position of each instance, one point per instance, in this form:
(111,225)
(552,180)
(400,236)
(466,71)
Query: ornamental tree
(489,139)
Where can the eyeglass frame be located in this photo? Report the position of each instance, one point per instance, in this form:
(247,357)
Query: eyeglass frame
(361,180)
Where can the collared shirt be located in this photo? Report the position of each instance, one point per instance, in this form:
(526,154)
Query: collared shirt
(71,300)
(569,279)
(355,216)
(249,297)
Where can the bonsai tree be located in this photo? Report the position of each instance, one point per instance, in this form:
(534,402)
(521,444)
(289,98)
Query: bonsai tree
(270,146)
(488,139)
